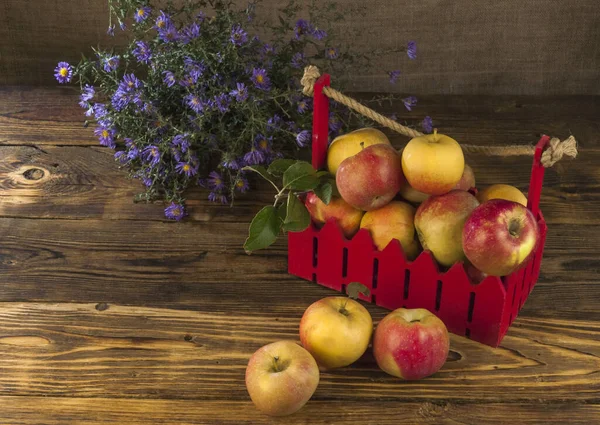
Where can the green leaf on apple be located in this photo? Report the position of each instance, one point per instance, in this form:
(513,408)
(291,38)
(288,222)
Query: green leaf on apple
(324,192)
(264,229)
(297,218)
(279,166)
(300,176)
(354,289)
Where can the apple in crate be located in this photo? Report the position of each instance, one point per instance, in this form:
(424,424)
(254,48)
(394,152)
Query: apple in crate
(346,215)
(350,144)
(502,191)
(411,195)
(281,377)
(336,331)
(439,222)
(371,178)
(411,344)
(467,181)
(396,220)
(433,163)
(500,236)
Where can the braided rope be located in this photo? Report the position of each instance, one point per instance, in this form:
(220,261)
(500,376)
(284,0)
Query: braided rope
(551,155)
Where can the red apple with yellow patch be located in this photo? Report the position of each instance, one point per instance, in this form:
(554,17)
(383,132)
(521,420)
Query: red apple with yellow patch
(411,344)
(433,163)
(500,236)
(371,178)
(281,377)
(336,331)
(347,217)
(350,144)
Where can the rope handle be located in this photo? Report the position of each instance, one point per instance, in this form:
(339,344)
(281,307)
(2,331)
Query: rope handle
(546,153)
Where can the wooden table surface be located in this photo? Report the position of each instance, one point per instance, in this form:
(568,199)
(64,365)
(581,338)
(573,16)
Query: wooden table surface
(111,315)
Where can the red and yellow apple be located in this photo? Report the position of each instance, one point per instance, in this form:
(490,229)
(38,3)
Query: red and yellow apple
(411,195)
(346,215)
(467,180)
(350,144)
(500,236)
(502,191)
(474,274)
(281,377)
(395,220)
(433,163)
(371,178)
(336,331)
(439,222)
(411,344)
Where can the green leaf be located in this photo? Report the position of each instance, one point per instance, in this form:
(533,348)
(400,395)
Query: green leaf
(297,218)
(324,192)
(354,289)
(300,176)
(264,229)
(279,166)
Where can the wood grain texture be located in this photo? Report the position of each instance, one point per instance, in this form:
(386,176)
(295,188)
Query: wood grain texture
(111,314)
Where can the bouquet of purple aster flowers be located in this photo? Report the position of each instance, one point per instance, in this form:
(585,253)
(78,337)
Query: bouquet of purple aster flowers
(196,97)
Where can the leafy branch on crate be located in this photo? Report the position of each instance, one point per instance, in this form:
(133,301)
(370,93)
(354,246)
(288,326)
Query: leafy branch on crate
(291,180)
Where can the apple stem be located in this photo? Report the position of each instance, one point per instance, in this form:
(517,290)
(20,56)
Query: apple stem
(362,145)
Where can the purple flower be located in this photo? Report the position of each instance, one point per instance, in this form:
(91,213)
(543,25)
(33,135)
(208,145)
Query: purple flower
(120,99)
(393,117)
(100,111)
(427,124)
(238,35)
(133,152)
(63,72)
(267,49)
(215,181)
(175,211)
(332,53)
(241,93)
(231,164)
(142,14)
(181,141)
(201,16)
(217,197)
(409,102)
(241,184)
(254,157)
(221,102)
(303,138)
(110,63)
(163,21)
(318,34)
(111,30)
(188,80)
(263,143)
(194,102)
(190,33)
(188,168)
(151,155)
(274,123)
(302,27)
(130,83)
(87,94)
(106,135)
(303,105)
(123,26)
(411,50)
(394,76)
(142,52)
(335,124)
(168,34)
(298,60)
(260,79)
(121,157)
(169,78)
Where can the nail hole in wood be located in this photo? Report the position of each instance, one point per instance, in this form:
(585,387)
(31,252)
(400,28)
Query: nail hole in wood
(101,306)
(34,174)
(187,337)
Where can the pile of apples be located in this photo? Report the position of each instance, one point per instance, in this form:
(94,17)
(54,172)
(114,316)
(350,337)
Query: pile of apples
(423,197)
(335,332)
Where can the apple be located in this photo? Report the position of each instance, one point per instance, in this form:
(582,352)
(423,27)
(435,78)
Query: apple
(395,220)
(411,344)
(500,236)
(281,377)
(371,178)
(336,331)
(439,222)
(467,180)
(411,195)
(350,144)
(433,163)
(474,274)
(502,191)
(346,215)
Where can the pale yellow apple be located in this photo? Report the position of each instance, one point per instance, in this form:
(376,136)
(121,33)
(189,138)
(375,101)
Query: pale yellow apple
(336,331)
(502,191)
(396,220)
(350,144)
(433,163)
(411,195)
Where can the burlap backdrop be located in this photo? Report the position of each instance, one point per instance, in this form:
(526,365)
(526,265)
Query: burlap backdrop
(465,46)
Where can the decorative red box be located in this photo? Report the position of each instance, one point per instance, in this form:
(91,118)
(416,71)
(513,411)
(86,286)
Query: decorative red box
(482,312)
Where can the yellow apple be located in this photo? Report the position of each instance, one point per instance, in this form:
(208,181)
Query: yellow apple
(433,163)
(411,195)
(396,220)
(502,191)
(350,144)
(336,331)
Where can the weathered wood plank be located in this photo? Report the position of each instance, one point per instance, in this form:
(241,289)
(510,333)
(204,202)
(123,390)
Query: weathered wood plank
(101,411)
(86,350)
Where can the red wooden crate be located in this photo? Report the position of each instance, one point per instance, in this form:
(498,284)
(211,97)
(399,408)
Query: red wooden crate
(482,312)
